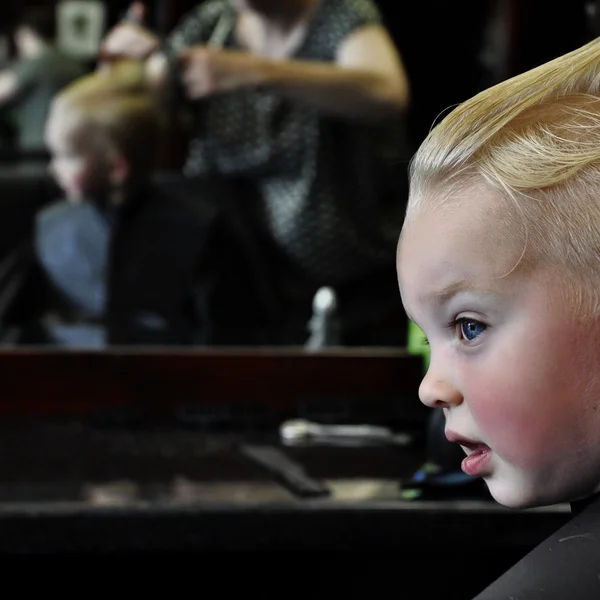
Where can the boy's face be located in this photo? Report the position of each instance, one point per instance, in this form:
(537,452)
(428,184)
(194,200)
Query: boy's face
(80,172)
(514,367)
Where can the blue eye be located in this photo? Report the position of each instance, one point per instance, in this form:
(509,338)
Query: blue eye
(470,329)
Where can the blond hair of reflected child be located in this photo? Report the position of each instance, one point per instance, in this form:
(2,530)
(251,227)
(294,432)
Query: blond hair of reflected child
(535,140)
(111,113)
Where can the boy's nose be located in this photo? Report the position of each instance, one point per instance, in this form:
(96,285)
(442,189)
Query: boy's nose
(437,392)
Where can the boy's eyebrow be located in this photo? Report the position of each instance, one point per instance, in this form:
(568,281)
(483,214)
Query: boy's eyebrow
(447,293)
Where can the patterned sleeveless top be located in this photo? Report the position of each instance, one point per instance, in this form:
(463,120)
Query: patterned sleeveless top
(321,179)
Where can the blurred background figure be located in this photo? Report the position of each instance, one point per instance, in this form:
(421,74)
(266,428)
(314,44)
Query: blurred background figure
(304,103)
(30,82)
(121,259)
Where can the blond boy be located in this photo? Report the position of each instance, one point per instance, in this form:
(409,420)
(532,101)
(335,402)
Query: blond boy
(102,133)
(499,265)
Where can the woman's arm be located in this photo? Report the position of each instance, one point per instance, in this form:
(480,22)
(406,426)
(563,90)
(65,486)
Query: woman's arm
(367,80)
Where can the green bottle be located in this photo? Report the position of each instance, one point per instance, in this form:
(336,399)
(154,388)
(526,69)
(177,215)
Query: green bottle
(417,343)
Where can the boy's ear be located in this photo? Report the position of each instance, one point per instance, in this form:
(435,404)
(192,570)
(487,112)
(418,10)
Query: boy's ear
(119,170)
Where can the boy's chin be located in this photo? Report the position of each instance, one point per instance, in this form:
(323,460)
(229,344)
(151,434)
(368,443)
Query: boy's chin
(72,196)
(95,197)
(516,496)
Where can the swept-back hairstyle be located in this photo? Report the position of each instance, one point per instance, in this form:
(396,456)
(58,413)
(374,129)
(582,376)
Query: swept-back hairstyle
(535,139)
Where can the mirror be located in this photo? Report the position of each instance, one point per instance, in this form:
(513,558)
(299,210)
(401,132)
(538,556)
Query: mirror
(252,294)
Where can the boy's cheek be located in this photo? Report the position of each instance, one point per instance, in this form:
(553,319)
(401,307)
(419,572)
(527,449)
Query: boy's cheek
(513,434)
(508,418)
(523,422)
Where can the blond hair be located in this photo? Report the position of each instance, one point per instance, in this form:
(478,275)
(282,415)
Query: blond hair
(534,139)
(112,111)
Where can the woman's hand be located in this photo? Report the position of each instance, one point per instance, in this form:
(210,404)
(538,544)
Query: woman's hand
(207,71)
(131,41)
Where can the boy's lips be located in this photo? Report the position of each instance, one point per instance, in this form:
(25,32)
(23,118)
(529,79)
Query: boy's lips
(451,436)
(469,443)
(477,463)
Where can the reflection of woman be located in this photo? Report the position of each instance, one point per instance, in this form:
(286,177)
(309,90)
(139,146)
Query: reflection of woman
(299,97)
